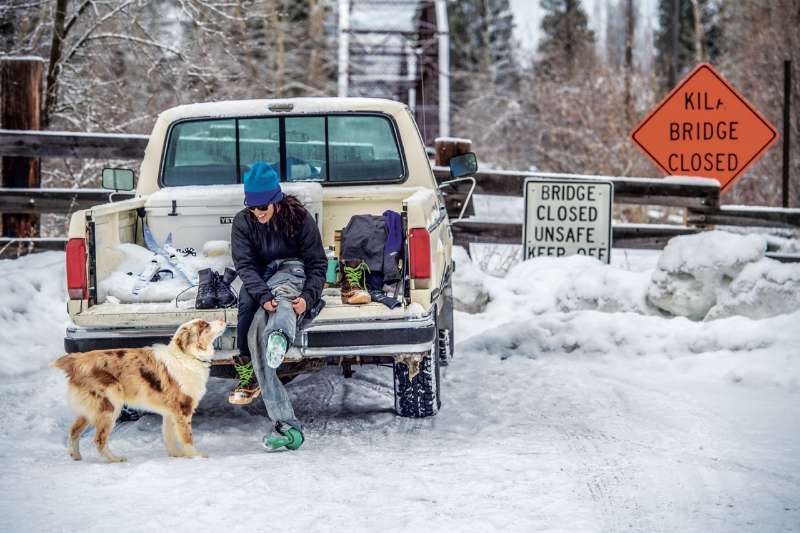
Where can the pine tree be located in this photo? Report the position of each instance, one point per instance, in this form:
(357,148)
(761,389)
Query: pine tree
(567,44)
(481,45)
(697,39)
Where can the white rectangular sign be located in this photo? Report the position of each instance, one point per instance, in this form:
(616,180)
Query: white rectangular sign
(567,217)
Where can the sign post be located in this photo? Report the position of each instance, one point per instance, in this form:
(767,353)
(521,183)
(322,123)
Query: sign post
(704,128)
(567,217)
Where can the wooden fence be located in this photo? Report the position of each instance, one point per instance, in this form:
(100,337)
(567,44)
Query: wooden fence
(699,197)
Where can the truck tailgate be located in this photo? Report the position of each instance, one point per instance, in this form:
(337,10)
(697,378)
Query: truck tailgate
(167,314)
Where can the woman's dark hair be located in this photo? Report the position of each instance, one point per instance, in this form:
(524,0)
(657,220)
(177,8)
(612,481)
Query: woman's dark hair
(289,216)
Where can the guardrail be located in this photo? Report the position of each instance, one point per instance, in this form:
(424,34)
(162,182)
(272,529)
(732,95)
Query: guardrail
(59,201)
(699,197)
(23,143)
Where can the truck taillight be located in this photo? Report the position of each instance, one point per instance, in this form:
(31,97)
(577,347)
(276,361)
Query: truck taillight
(419,248)
(76,269)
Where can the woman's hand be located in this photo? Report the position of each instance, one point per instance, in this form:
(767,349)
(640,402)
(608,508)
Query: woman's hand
(270,306)
(299,305)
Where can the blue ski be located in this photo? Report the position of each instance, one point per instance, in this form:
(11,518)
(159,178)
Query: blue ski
(169,253)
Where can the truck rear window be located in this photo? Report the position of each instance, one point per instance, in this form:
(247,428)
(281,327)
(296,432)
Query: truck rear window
(345,148)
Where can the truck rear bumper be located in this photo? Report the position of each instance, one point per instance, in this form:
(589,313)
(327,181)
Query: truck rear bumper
(320,339)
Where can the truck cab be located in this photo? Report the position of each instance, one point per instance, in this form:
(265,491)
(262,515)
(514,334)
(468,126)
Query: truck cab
(340,157)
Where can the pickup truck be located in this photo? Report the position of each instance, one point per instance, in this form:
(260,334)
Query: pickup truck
(343,156)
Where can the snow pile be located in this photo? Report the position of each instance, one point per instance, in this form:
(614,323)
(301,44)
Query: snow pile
(736,349)
(790,246)
(550,284)
(707,276)
(762,289)
(694,270)
(33,312)
(469,291)
(602,288)
(580,308)
(130,260)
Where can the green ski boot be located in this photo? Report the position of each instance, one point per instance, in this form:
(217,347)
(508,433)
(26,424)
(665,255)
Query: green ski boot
(276,349)
(284,436)
(248,388)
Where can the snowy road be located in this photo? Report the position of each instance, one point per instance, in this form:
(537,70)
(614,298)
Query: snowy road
(566,440)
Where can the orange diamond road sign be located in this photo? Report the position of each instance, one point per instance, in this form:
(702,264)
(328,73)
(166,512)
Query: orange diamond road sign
(704,128)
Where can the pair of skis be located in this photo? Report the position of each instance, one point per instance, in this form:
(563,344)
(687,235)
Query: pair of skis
(163,256)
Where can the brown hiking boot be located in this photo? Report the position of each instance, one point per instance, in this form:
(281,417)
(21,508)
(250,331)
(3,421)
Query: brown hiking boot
(248,388)
(354,283)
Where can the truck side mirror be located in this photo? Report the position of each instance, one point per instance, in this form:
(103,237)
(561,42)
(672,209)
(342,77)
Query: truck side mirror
(118,179)
(463,165)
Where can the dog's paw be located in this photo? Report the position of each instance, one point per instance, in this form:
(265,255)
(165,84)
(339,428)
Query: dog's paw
(176,453)
(116,459)
(197,453)
(76,456)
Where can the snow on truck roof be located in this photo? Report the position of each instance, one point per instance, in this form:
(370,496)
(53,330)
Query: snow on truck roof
(239,108)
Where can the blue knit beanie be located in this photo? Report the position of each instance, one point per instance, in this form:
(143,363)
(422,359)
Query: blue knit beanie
(261,185)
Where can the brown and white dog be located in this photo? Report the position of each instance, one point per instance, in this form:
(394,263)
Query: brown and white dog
(165,379)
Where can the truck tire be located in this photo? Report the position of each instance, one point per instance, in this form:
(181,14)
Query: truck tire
(419,397)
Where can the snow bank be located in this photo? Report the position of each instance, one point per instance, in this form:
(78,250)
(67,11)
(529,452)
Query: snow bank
(762,289)
(469,289)
(33,312)
(550,284)
(578,307)
(736,349)
(694,270)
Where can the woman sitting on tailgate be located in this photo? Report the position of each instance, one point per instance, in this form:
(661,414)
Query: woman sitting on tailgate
(278,253)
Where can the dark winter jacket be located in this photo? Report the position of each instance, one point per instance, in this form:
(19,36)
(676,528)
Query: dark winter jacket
(376,240)
(254,245)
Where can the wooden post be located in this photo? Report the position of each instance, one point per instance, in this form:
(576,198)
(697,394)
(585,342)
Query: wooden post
(456,195)
(20,109)
(447,147)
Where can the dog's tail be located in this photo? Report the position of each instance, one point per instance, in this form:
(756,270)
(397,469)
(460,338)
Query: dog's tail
(65,363)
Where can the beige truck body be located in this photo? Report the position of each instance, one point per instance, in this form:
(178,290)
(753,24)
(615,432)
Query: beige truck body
(99,324)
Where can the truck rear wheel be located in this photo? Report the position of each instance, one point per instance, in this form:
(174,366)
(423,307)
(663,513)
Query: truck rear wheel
(418,397)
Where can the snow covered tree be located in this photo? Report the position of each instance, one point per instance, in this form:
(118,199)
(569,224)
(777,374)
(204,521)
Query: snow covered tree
(757,37)
(286,46)
(688,34)
(481,46)
(615,33)
(113,66)
(567,44)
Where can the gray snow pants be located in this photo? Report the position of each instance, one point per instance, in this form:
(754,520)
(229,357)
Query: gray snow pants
(286,285)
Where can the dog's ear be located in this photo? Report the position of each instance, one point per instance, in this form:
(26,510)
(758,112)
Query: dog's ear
(203,329)
(183,338)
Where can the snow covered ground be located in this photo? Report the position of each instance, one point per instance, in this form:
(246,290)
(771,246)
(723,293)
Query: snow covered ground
(572,405)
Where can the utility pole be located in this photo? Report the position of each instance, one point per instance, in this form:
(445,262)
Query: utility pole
(787,127)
